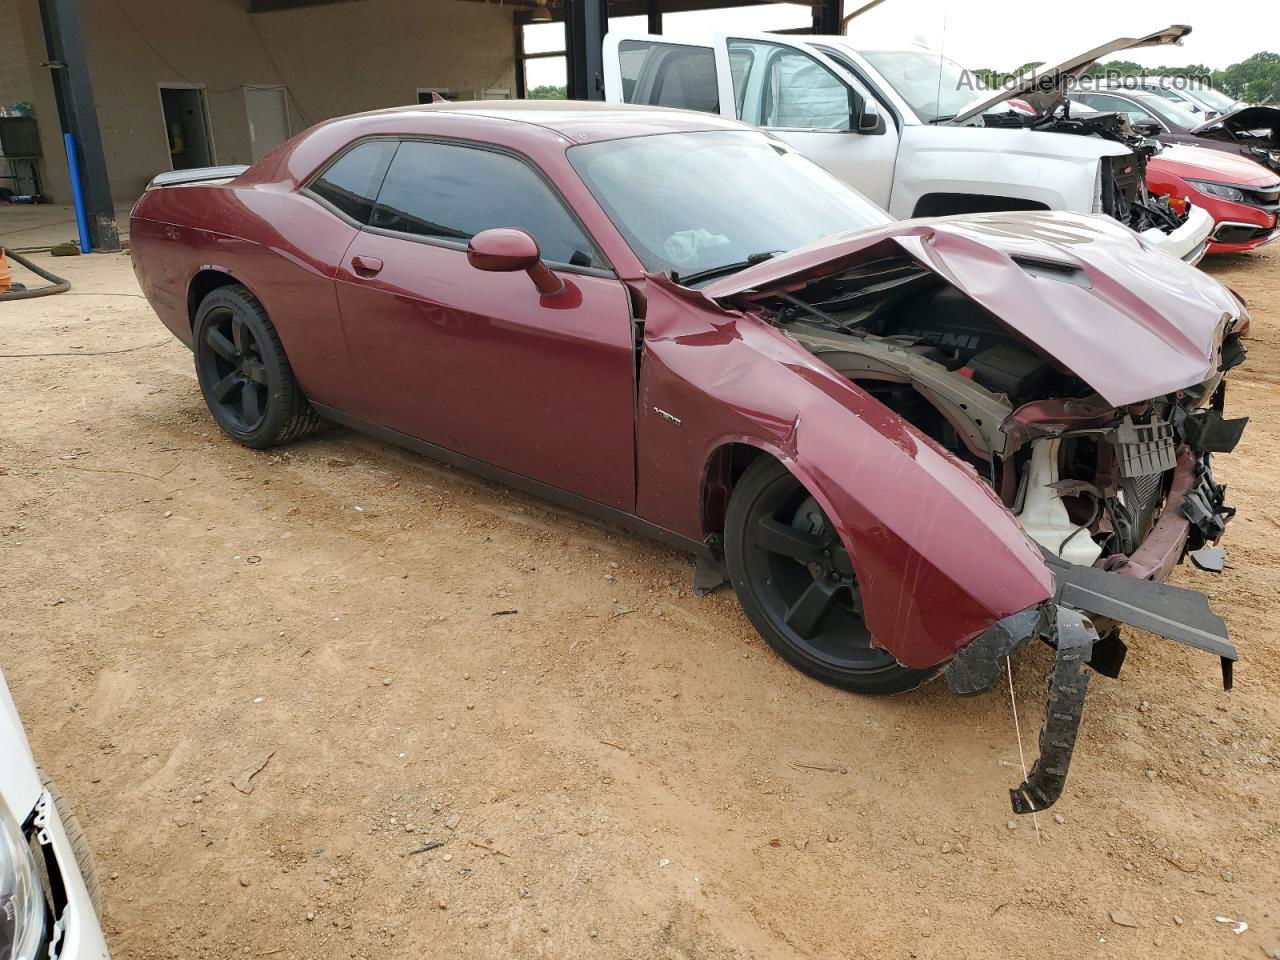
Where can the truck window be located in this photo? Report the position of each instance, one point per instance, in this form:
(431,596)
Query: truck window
(668,75)
(779,86)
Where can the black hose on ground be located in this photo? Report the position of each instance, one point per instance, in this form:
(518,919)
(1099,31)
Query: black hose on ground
(58,284)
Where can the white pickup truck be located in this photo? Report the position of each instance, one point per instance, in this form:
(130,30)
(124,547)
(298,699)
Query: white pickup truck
(912,130)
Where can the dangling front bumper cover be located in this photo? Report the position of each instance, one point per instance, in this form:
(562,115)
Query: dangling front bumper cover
(1065,621)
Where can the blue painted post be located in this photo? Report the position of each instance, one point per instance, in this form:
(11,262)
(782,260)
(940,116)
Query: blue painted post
(77,192)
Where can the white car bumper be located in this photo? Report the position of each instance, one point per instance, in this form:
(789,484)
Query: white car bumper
(76,933)
(73,927)
(1189,241)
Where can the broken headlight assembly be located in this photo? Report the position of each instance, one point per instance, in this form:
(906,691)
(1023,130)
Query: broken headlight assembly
(22,903)
(1225,191)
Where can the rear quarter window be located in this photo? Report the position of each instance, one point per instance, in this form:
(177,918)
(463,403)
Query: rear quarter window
(351,181)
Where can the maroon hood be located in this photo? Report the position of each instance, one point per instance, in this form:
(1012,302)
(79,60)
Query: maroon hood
(1132,322)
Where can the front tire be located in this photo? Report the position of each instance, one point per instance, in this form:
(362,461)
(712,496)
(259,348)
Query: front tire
(244,374)
(798,587)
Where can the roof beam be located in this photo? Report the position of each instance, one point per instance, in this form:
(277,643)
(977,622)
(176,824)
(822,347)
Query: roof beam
(271,6)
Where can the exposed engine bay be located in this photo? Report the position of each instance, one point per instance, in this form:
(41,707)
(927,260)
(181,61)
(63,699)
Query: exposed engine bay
(1086,481)
(1124,193)
(1258,128)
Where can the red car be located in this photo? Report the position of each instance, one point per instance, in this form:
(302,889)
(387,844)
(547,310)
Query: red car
(1243,196)
(910,446)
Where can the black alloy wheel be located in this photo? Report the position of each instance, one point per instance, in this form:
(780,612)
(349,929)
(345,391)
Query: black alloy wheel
(798,586)
(236,370)
(244,374)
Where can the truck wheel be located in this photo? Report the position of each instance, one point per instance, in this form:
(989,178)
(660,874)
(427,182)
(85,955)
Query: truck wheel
(244,374)
(79,845)
(798,587)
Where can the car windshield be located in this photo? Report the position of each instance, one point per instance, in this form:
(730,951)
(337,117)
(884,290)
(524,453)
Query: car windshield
(693,203)
(1173,96)
(935,87)
(1216,99)
(1175,114)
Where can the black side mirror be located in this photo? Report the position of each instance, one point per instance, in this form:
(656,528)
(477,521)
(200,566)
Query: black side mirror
(868,119)
(1148,128)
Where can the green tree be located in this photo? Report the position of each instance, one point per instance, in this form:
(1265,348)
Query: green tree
(546,92)
(1256,80)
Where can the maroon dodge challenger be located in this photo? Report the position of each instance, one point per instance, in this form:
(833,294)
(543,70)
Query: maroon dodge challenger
(910,446)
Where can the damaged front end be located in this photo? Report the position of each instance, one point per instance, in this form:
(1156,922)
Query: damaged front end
(1172,459)
(1121,191)
(1088,394)
(1256,129)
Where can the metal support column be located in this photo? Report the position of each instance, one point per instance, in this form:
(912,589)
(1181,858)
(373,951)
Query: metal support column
(69,71)
(517,26)
(653,10)
(827,15)
(585,24)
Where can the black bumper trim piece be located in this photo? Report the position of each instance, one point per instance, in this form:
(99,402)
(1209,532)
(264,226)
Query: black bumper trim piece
(1160,608)
(1205,507)
(1207,431)
(976,668)
(1074,636)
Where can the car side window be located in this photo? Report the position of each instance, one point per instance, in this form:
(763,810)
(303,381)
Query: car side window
(452,192)
(779,86)
(351,181)
(668,75)
(1135,113)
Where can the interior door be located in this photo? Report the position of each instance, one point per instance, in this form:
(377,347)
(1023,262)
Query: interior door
(268,111)
(808,100)
(481,363)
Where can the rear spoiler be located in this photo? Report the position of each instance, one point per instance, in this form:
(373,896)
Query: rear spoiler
(197,175)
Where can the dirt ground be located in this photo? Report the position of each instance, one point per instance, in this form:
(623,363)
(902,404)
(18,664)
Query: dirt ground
(616,769)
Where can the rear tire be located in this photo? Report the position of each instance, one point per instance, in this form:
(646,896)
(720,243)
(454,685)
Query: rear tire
(797,585)
(79,845)
(244,374)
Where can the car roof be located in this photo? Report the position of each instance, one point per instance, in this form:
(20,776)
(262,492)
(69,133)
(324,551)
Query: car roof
(578,120)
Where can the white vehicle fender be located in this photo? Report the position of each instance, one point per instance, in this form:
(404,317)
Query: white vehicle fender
(1055,170)
(20,785)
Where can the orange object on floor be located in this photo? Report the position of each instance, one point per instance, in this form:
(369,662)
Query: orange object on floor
(6,275)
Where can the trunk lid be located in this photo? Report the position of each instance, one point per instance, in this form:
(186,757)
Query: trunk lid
(1043,87)
(1130,321)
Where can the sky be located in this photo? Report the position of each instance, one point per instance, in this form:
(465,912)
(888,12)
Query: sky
(986,33)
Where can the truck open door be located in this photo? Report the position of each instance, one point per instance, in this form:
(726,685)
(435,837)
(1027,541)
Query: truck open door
(790,88)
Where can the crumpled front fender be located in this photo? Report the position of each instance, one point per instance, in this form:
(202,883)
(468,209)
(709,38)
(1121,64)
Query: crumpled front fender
(938,556)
